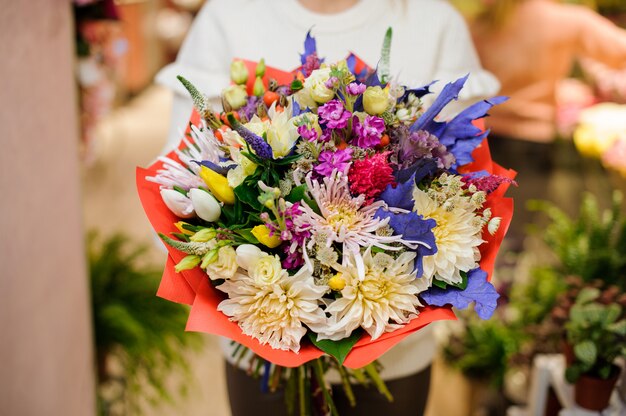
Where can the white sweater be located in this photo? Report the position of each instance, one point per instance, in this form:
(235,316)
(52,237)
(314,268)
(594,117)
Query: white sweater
(430,42)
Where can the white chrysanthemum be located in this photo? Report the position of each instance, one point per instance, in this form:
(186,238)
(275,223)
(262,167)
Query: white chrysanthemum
(276,313)
(344,219)
(380,302)
(457,235)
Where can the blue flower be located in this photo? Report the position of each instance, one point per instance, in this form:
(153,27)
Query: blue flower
(415,229)
(478,290)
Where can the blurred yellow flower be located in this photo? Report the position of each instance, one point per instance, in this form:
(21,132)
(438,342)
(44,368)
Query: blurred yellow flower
(262,233)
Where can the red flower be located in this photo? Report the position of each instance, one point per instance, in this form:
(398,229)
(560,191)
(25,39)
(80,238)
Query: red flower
(371,175)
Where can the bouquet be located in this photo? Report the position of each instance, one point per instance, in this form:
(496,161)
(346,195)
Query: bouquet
(326,213)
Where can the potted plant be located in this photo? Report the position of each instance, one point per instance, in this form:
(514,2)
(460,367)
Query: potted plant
(597,334)
(137,336)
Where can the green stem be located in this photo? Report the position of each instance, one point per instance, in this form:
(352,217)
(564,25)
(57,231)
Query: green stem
(301,390)
(319,375)
(359,375)
(372,372)
(347,387)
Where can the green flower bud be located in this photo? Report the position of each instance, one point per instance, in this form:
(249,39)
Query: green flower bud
(260,68)
(189,262)
(210,257)
(259,88)
(238,72)
(204,235)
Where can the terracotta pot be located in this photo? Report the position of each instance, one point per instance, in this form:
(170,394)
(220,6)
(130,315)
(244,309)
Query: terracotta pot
(594,393)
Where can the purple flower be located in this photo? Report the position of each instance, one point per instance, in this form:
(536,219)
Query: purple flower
(260,146)
(339,160)
(421,144)
(333,115)
(309,134)
(355,88)
(331,82)
(250,108)
(369,132)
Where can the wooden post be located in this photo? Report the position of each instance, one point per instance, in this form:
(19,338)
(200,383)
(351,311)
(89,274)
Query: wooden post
(45,318)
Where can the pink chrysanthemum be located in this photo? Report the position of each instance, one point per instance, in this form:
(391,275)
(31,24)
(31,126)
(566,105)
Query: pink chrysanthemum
(371,175)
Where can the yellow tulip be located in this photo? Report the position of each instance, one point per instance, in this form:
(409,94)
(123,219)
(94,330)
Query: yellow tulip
(262,233)
(180,225)
(218,185)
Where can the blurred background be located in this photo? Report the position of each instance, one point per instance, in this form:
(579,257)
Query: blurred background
(81,327)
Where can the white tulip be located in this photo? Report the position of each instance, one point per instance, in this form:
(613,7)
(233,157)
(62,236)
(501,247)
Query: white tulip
(178,203)
(248,255)
(205,205)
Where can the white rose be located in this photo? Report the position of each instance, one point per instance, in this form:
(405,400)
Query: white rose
(267,270)
(226,265)
(314,89)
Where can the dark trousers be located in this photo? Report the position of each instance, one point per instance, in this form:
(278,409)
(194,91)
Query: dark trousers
(409,393)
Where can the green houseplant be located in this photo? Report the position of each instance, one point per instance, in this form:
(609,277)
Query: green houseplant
(138,337)
(597,335)
(591,245)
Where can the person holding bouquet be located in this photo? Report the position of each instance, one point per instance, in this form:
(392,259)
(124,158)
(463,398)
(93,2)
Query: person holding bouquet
(431,42)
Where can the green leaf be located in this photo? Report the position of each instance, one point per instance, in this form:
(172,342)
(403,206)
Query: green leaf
(296,85)
(249,195)
(586,352)
(618,328)
(287,160)
(296,194)
(179,189)
(572,374)
(463,284)
(254,158)
(338,349)
(440,284)
(247,235)
(181,236)
(444,285)
(588,294)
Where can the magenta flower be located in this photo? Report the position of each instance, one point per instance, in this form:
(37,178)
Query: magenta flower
(355,88)
(309,134)
(339,160)
(369,132)
(333,115)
